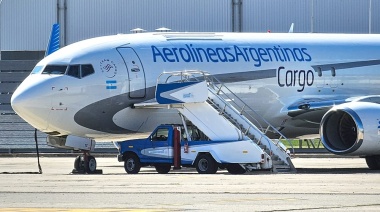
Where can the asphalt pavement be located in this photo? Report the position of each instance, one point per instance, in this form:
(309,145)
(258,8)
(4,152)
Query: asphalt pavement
(334,184)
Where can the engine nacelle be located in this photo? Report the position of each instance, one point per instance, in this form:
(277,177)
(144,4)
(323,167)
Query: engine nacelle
(352,129)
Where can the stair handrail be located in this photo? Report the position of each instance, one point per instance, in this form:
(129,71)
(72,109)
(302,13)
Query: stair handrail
(210,78)
(251,125)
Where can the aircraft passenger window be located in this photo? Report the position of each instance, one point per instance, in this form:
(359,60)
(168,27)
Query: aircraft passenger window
(74,71)
(160,135)
(54,69)
(87,70)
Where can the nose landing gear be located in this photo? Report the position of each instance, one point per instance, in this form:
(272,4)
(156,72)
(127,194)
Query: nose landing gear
(85,163)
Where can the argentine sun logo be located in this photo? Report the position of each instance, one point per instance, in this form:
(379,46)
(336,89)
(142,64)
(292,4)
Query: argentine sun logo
(108,68)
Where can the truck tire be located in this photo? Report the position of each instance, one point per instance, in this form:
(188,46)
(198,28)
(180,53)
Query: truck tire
(132,164)
(205,164)
(163,168)
(235,168)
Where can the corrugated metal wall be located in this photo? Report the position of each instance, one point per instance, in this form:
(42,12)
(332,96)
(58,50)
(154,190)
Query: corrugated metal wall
(89,18)
(26,24)
(341,16)
(276,15)
(375,20)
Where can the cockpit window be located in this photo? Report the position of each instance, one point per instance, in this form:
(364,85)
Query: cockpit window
(36,70)
(87,70)
(55,69)
(80,71)
(74,71)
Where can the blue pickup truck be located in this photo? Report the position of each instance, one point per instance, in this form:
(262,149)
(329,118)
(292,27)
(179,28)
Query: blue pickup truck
(172,145)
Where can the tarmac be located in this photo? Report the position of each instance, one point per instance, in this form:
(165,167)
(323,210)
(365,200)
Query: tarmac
(320,184)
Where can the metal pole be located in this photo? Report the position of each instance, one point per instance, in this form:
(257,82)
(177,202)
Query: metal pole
(57,18)
(233,15)
(370,17)
(240,6)
(1,31)
(312,17)
(64,22)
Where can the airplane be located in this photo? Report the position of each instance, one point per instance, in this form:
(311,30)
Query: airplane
(301,83)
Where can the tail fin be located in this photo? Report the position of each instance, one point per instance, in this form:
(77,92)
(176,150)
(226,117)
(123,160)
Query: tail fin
(53,44)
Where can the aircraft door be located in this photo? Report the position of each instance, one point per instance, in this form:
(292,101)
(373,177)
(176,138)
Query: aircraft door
(136,74)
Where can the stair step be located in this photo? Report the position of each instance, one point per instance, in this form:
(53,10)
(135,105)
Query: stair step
(284,170)
(278,167)
(262,146)
(278,162)
(275,157)
(252,137)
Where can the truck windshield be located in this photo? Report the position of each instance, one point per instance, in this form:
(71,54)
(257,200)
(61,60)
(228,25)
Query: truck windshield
(161,135)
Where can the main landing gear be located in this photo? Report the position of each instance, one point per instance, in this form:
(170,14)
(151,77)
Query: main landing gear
(85,163)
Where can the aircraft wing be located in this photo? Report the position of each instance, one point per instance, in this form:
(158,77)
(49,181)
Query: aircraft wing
(313,109)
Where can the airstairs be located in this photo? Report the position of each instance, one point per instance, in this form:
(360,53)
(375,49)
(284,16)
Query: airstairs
(221,115)
(237,111)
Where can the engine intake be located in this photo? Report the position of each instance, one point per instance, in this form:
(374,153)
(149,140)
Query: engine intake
(352,129)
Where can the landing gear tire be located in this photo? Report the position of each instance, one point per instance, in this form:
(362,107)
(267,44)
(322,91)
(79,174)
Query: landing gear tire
(206,164)
(89,166)
(373,162)
(132,164)
(163,169)
(235,169)
(77,163)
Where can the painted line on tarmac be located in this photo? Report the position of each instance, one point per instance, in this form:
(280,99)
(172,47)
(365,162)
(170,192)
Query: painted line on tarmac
(80,210)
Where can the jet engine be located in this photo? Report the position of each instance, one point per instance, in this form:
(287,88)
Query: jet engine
(352,129)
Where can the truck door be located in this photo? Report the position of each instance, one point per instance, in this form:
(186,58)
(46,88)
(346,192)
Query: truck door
(158,147)
(136,72)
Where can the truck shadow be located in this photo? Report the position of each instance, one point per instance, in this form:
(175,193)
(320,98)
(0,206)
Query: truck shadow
(300,171)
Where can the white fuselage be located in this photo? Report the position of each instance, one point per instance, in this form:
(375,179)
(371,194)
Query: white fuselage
(274,73)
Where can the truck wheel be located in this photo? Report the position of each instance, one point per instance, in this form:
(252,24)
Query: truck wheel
(235,168)
(163,169)
(206,164)
(132,164)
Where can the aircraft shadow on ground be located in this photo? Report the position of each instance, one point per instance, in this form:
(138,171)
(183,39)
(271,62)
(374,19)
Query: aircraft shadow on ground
(336,171)
(264,172)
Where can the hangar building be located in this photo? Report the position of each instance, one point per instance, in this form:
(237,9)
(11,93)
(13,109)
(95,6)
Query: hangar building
(25,24)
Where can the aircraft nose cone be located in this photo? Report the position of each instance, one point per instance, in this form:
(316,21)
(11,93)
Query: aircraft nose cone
(27,102)
(20,101)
